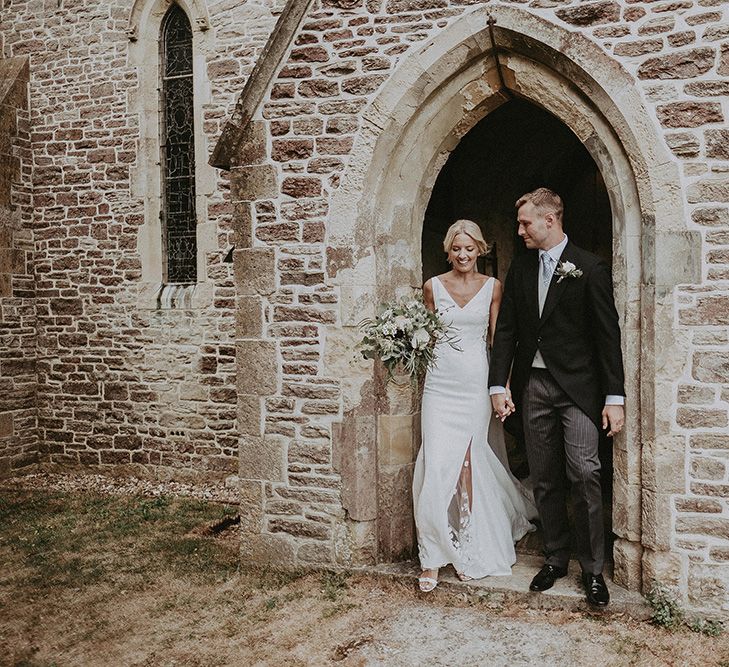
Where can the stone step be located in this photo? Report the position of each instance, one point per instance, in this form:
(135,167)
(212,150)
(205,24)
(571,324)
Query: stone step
(567,593)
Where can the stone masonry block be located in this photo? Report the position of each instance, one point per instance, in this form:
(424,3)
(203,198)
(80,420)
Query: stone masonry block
(248,317)
(681,259)
(355,456)
(262,458)
(249,414)
(255,271)
(6,424)
(395,439)
(253,183)
(656,524)
(256,360)
(252,144)
(627,570)
(242,224)
(271,550)
(662,567)
(251,506)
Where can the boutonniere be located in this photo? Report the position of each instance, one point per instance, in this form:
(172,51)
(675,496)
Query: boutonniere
(567,270)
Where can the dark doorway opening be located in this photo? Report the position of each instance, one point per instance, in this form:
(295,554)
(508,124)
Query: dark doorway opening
(515,149)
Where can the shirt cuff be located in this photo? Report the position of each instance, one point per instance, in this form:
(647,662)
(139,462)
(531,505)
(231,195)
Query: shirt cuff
(612,399)
(496,389)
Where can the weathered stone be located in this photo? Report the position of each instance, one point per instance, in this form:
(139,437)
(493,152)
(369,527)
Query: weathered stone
(299,528)
(310,54)
(315,552)
(717,144)
(707,585)
(716,32)
(682,65)
(701,418)
(709,441)
(678,39)
(707,88)
(689,114)
(661,567)
(251,183)
(717,238)
(363,85)
(6,424)
(638,48)
(334,145)
(699,505)
(683,144)
(252,149)
(695,394)
(301,186)
(262,459)
(255,271)
(295,72)
(723,68)
(354,455)
(309,452)
(719,554)
(703,467)
(711,217)
(657,25)
(592,13)
(257,372)
(712,366)
(301,314)
(318,88)
(714,190)
(283,91)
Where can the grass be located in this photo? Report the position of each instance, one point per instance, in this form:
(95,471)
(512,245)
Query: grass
(126,580)
(75,541)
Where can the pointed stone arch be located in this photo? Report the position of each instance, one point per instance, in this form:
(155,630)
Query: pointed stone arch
(144,11)
(436,95)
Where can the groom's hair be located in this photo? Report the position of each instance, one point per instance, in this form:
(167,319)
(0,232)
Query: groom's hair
(544,200)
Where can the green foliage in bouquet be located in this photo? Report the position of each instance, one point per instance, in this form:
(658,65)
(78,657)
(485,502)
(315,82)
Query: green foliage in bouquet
(403,337)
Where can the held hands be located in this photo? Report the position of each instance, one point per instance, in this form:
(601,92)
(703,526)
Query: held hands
(503,405)
(614,417)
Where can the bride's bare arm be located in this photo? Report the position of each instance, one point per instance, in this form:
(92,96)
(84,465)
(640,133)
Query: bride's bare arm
(428,295)
(494,311)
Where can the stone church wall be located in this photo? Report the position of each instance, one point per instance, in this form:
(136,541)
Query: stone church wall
(306,455)
(18,432)
(120,380)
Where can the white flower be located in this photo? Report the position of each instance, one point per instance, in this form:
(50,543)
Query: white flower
(420,339)
(388,329)
(402,322)
(567,270)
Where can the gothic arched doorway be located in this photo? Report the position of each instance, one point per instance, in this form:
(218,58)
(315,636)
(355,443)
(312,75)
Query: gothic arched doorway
(515,149)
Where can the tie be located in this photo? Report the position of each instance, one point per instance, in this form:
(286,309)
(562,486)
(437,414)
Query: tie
(546,270)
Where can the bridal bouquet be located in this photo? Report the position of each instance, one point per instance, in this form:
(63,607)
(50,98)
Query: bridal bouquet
(403,335)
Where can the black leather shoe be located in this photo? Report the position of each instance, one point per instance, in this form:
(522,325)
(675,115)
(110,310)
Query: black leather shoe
(546,577)
(595,589)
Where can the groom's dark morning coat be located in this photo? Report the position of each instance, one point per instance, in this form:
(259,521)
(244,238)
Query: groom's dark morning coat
(578,333)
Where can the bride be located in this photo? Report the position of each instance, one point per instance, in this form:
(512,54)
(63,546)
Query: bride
(469,509)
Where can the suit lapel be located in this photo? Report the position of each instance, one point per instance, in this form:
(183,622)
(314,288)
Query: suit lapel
(556,287)
(531,270)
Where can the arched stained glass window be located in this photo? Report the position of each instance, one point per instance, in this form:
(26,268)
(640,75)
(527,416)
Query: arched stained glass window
(178,149)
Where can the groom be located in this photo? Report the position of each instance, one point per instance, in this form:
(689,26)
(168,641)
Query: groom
(558,336)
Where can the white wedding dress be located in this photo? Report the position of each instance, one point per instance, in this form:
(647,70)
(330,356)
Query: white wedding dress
(475,533)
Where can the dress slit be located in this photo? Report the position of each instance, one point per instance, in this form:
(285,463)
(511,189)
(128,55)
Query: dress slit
(460,508)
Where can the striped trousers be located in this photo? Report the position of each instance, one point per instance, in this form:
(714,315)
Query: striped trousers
(562,450)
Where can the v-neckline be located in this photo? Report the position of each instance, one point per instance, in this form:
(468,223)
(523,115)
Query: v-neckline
(465,305)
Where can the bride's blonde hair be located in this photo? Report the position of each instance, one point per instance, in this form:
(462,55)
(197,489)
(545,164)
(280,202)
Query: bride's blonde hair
(470,228)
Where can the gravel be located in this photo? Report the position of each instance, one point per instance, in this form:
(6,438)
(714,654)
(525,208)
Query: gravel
(222,492)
